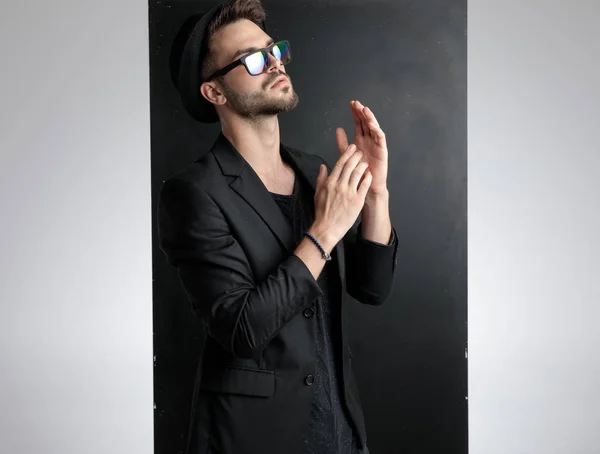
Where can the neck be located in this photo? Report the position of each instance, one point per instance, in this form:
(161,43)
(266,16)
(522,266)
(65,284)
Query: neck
(257,140)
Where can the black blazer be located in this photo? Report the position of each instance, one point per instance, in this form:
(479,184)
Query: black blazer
(233,249)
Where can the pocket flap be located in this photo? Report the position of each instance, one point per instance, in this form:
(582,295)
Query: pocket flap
(240,380)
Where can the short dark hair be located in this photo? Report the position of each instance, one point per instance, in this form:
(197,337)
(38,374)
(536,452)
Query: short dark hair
(232,11)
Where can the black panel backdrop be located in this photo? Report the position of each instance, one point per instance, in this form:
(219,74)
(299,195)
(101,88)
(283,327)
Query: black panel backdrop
(406,60)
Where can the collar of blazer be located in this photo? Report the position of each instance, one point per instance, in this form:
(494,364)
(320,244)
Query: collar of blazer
(247,184)
(233,164)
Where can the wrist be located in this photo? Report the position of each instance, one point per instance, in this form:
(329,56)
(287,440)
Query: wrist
(376,203)
(377,199)
(376,223)
(324,235)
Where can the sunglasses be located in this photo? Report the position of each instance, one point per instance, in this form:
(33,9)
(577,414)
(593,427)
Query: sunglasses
(257,62)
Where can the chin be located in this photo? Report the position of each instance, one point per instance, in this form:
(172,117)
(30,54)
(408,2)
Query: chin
(284,101)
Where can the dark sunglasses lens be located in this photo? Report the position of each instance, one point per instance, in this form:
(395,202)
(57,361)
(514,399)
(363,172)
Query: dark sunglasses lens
(255,63)
(282,52)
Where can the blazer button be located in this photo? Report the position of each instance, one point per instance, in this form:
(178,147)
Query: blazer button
(309,312)
(309,380)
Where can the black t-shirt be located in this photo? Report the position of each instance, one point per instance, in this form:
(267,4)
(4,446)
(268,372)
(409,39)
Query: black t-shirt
(329,431)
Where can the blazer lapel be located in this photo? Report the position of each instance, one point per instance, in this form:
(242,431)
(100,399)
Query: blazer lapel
(247,184)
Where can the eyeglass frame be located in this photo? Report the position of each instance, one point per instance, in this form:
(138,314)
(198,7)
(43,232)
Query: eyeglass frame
(242,61)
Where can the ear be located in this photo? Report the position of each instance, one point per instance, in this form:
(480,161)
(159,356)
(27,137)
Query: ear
(211,93)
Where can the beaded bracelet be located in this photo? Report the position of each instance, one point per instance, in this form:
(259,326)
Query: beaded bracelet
(326,256)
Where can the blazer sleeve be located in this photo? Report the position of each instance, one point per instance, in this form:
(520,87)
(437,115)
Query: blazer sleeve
(241,314)
(370,266)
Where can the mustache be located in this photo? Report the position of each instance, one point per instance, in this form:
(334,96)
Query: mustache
(276,76)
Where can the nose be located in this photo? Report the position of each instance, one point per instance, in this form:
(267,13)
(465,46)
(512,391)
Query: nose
(274,63)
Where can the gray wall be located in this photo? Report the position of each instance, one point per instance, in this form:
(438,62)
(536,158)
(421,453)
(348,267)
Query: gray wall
(534,220)
(75,292)
(75,230)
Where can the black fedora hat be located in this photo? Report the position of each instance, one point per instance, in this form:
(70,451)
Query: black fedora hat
(187,52)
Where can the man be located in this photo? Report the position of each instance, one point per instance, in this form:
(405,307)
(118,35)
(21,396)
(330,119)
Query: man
(268,245)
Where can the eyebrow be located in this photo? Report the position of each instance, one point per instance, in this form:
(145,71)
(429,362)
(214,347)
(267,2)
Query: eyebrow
(250,49)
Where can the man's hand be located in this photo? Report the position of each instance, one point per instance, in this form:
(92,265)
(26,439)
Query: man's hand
(370,139)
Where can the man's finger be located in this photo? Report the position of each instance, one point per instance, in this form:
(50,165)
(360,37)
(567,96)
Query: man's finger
(341,140)
(358,128)
(334,175)
(377,134)
(363,117)
(373,126)
(370,116)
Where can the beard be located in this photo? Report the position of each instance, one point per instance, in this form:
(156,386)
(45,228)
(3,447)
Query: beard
(262,103)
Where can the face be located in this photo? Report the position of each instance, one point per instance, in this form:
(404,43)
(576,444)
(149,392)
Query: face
(249,96)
